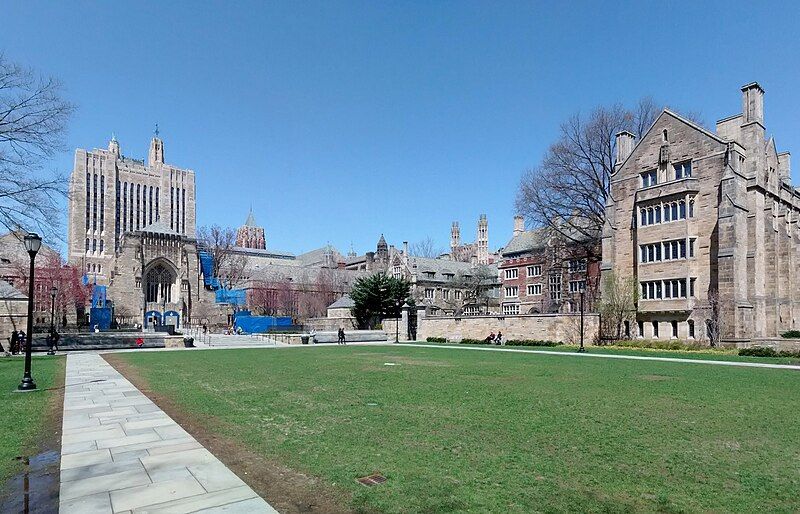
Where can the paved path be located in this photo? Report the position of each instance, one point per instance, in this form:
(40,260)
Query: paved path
(610,356)
(121,453)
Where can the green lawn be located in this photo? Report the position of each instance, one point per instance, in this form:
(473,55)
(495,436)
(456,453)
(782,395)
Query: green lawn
(704,354)
(458,430)
(24,416)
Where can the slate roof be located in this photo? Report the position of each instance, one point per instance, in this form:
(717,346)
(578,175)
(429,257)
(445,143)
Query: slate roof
(8,292)
(440,267)
(526,241)
(345,302)
(159,227)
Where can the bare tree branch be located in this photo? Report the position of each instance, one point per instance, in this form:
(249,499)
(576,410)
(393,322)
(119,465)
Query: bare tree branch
(425,248)
(33,120)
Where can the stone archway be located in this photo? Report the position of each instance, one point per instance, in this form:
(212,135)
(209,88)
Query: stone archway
(160,283)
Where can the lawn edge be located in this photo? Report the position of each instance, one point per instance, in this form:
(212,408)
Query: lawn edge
(270,479)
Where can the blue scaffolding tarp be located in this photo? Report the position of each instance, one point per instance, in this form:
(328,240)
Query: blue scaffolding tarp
(259,324)
(207,267)
(232,296)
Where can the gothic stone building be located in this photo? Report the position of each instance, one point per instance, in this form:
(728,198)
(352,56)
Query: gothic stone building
(706,226)
(542,272)
(132,228)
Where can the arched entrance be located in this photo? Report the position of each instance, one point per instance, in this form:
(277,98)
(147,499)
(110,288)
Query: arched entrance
(161,293)
(159,284)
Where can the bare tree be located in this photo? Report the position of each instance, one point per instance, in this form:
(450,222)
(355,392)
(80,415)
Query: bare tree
(220,242)
(617,306)
(568,191)
(709,317)
(425,248)
(475,285)
(33,120)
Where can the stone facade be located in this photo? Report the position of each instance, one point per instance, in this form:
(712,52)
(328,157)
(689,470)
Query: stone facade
(132,228)
(111,195)
(13,312)
(250,235)
(563,328)
(706,225)
(544,273)
(477,252)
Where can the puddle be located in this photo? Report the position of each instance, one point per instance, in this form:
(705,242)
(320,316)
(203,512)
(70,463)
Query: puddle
(36,488)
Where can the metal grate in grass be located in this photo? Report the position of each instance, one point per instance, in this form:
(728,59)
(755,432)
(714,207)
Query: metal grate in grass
(374,479)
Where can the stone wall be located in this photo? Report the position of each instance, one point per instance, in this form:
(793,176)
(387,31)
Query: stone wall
(328,324)
(13,316)
(552,327)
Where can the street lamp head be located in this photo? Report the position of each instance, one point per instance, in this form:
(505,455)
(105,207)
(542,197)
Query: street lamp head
(32,242)
(53,292)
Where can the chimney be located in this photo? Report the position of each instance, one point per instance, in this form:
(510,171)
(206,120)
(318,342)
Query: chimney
(785,167)
(405,252)
(625,143)
(519,225)
(753,103)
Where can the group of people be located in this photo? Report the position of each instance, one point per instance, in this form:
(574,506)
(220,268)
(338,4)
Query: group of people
(495,339)
(18,339)
(16,343)
(342,339)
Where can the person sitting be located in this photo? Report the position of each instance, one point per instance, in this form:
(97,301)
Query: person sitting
(490,338)
(499,339)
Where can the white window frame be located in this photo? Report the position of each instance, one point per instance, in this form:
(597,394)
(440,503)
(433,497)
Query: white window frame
(512,273)
(534,289)
(511,291)
(535,270)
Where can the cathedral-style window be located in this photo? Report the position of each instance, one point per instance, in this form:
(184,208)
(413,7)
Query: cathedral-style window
(158,284)
(157,215)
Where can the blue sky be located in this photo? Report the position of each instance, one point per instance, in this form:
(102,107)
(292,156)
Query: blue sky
(339,121)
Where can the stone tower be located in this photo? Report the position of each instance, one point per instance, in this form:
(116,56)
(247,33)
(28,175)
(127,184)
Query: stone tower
(382,253)
(455,237)
(250,235)
(156,154)
(482,240)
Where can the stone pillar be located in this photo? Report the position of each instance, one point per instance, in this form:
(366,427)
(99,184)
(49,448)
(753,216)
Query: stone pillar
(404,328)
(421,328)
(734,308)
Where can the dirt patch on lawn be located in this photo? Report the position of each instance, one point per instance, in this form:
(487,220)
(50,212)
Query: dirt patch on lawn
(36,488)
(285,489)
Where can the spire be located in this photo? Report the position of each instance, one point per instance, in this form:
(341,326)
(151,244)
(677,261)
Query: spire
(251,219)
(156,154)
(155,132)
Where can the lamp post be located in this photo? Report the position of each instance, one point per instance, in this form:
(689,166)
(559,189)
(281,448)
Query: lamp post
(397,323)
(583,292)
(32,244)
(53,293)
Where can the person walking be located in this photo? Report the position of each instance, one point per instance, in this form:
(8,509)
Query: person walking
(21,342)
(340,335)
(14,343)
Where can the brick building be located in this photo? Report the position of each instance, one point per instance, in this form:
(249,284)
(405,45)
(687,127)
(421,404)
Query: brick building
(542,272)
(705,225)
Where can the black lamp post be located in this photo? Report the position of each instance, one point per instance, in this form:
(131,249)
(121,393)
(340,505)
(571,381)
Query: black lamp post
(583,292)
(53,293)
(32,244)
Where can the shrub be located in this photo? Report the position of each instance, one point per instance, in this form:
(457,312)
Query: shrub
(792,334)
(532,342)
(766,351)
(436,340)
(473,341)
(758,351)
(657,344)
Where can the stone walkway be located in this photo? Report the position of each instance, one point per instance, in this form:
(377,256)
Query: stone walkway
(121,453)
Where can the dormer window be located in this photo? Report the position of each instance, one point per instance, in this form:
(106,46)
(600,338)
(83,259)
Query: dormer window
(683,170)
(649,178)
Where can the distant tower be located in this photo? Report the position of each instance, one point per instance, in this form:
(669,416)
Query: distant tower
(483,240)
(382,253)
(455,238)
(156,154)
(250,235)
(113,145)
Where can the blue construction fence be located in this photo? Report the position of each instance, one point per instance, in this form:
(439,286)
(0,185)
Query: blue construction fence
(259,324)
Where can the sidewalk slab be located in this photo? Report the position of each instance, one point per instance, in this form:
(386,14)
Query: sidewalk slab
(121,453)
